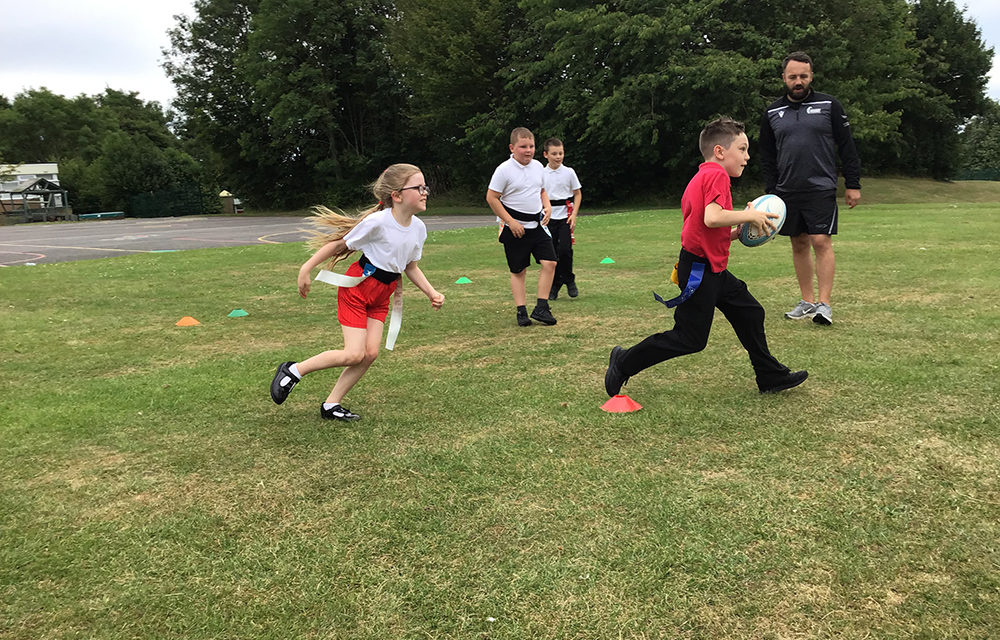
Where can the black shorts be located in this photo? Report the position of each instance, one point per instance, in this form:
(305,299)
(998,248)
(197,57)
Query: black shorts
(534,242)
(813,212)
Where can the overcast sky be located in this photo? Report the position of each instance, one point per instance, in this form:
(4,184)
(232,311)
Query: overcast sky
(85,46)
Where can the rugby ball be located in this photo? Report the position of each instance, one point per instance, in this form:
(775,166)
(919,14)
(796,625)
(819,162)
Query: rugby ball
(772,204)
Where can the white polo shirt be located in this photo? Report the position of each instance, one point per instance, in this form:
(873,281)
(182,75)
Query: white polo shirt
(520,187)
(559,185)
(386,243)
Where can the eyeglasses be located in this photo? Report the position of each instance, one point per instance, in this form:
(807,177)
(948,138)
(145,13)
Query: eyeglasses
(422,189)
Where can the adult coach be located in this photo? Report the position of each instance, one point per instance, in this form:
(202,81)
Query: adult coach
(801,135)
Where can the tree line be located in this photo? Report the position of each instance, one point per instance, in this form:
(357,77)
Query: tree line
(305,101)
(109,147)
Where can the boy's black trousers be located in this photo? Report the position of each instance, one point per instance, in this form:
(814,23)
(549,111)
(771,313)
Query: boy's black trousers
(562,241)
(693,322)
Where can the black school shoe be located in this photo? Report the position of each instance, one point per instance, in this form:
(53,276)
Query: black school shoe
(789,380)
(572,290)
(337,412)
(543,315)
(554,292)
(522,318)
(283,383)
(614,379)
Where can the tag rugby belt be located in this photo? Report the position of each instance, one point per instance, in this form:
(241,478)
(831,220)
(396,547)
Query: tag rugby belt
(527,217)
(523,217)
(698,265)
(383,276)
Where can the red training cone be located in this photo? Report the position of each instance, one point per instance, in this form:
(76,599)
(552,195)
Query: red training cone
(621,404)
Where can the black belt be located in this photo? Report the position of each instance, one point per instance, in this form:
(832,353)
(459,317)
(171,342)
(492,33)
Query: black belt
(386,277)
(523,217)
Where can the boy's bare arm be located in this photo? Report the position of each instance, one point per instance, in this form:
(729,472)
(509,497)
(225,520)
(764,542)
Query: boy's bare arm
(493,199)
(577,198)
(716,216)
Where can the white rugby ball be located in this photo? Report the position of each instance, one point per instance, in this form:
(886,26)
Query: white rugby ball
(772,204)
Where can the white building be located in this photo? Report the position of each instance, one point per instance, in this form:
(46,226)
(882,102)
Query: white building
(32,192)
(17,176)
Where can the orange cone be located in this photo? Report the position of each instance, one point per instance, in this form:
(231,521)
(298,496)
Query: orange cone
(621,404)
(187,321)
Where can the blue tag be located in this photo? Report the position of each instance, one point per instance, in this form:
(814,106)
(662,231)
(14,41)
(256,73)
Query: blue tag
(694,281)
(368,269)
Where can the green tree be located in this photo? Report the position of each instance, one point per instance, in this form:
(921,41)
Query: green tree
(132,164)
(41,126)
(952,64)
(215,97)
(303,97)
(134,117)
(82,179)
(980,144)
(456,113)
(297,98)
(631,82)
(326,90)
(107,146)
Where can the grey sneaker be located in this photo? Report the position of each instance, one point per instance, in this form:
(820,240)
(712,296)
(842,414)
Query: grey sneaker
(823,314)
(802,310)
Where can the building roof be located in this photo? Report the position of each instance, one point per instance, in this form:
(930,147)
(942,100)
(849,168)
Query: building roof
(34,168)
(41,185)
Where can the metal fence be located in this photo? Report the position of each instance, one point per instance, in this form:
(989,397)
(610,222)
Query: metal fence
(978,174)
(183,201)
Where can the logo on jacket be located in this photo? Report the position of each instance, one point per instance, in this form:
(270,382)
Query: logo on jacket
(813,110)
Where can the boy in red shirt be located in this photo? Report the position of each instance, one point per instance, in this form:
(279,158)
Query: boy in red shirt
(707,231)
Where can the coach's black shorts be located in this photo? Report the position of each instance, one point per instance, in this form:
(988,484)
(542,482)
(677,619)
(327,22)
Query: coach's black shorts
(534,242)
(813,212)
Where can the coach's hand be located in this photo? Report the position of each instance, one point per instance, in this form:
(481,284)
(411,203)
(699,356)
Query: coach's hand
(852,197)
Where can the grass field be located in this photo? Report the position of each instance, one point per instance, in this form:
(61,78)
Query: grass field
(878,190)
(151,489)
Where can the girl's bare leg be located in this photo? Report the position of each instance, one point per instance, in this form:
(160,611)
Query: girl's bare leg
(350,376)
(352,353)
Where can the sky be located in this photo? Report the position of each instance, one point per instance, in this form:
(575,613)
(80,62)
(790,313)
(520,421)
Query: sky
(91,45)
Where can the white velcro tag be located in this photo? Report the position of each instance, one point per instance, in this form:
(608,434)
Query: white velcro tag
(396,318)
(339,280)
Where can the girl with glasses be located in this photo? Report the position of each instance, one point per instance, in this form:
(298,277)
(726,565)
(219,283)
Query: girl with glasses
(391,239)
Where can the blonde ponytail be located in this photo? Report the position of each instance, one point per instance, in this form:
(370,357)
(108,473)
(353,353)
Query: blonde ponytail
(334,225)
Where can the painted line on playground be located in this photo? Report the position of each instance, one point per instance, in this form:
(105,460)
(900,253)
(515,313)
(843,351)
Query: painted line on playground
(264,238)
(59,246)
(239,242)
(8,263)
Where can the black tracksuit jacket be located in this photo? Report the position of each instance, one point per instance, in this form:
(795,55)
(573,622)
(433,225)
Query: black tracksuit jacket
(799,143)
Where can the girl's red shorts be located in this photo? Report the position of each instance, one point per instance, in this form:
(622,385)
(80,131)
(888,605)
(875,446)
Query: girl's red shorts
(370,299)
